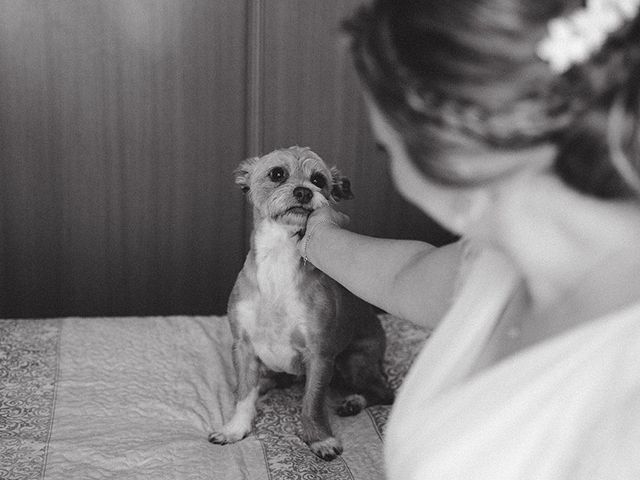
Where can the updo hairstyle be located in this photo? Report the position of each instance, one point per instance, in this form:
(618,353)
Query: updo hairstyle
(464,73)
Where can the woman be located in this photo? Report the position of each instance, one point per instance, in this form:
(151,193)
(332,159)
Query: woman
(514,124)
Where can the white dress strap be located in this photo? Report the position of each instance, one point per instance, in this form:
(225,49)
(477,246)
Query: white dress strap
(488,282)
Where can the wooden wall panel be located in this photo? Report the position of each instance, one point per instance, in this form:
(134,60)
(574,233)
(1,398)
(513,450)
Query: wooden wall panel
(120,122)
(311,97)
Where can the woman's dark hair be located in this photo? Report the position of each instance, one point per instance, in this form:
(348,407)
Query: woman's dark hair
(470,67)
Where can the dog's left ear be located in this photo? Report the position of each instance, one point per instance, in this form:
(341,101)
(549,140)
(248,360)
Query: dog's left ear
(341,186)
(242,174)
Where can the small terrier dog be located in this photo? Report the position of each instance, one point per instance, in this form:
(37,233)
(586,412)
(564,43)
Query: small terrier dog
(288,319)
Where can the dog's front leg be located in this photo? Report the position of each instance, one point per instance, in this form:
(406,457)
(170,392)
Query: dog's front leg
(316,431)
(248,370)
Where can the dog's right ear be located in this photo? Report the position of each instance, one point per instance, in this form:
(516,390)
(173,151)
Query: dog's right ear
(242,174)
(341,188)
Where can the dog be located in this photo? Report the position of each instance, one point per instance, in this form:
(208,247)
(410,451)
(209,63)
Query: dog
(288,319)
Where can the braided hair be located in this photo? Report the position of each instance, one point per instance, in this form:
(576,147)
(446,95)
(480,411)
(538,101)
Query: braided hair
(468,69)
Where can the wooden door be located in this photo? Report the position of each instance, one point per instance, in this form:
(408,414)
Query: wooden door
(120,124)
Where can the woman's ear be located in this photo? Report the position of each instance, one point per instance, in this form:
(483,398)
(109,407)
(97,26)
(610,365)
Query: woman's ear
(340,186)
(242,174)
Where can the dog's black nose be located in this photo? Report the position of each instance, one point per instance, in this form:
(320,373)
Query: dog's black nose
(302,194)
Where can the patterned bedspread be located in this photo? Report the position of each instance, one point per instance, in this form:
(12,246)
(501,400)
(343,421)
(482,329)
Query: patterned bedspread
(120,398)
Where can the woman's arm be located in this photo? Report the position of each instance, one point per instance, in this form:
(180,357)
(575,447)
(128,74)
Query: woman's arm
(410,279)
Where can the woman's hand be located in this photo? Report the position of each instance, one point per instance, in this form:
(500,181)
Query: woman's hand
(320,218)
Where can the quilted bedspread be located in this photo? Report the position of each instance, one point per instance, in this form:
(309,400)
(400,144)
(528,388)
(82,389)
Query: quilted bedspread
(120,398)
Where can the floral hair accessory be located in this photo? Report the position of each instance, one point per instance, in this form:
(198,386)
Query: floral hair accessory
(572,40)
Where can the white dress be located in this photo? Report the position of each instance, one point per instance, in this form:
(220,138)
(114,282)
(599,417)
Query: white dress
(565,408)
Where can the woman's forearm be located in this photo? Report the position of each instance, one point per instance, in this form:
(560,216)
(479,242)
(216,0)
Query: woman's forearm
(411,279)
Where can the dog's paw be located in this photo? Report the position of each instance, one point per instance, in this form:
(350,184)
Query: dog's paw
(352,405)
(327,449)
(228,434)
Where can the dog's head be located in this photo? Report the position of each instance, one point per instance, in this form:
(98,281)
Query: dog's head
(287,185)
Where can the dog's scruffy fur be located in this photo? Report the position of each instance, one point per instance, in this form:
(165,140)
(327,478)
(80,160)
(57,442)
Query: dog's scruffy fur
(287,317)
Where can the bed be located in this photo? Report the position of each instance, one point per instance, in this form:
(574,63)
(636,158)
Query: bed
(120,398)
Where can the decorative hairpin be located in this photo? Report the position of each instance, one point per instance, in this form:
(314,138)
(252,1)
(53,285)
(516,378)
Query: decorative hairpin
(573,39)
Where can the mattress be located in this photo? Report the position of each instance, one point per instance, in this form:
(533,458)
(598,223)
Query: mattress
(120,398)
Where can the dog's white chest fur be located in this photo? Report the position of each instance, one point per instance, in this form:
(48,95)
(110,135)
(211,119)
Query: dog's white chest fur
(275,319)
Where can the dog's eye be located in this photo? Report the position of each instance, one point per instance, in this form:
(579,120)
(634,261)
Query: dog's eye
(319,180)
(278,174)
